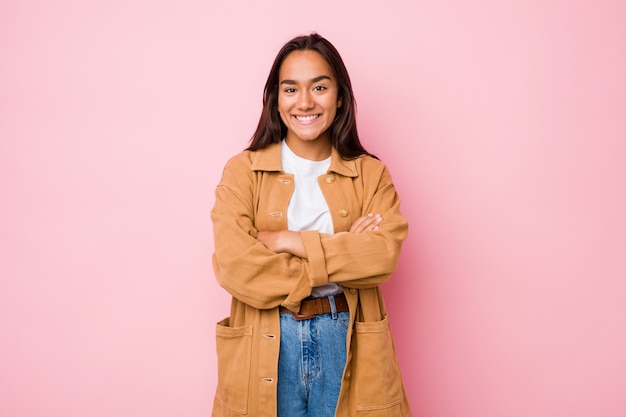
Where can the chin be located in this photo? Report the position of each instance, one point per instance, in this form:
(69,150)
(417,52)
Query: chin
(310,138)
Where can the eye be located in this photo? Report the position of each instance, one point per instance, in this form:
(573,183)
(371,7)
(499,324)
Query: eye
(319,88)
(289,90)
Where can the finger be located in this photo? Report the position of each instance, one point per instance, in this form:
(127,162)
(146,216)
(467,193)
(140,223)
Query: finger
(374,224)
(360,223)
(366,223)
(357,223)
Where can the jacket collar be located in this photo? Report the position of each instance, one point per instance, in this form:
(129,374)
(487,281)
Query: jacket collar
(269,159)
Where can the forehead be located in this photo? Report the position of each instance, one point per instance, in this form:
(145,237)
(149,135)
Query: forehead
(304,65)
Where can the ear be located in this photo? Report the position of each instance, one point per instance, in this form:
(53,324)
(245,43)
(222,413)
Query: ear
(339,102)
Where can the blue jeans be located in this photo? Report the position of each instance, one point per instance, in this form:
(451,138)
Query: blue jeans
(310,364)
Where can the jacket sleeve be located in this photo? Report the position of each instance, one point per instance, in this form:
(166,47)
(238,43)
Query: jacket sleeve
(244,266)
(361,260)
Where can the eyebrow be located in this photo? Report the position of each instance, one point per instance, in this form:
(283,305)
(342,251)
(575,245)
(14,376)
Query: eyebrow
(313,80)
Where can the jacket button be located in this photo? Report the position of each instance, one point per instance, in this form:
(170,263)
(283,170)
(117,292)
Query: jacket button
(343,212)
(330,179)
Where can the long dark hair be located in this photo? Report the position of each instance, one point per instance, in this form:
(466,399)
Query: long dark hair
(343,132)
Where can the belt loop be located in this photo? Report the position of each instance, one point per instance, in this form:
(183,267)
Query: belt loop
(333,306)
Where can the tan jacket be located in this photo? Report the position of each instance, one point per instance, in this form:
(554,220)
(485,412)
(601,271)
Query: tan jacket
(252,196)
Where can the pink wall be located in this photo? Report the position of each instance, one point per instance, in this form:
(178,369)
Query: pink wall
(503,123)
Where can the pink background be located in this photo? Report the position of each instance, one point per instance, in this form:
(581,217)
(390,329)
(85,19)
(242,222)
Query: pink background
(504,126)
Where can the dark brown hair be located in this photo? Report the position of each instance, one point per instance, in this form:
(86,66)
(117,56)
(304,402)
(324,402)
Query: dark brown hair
(343,132)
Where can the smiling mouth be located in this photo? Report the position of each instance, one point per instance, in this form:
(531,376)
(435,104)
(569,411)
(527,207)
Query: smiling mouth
(307,118)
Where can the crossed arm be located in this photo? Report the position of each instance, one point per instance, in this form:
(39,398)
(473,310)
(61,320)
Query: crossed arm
(288,241)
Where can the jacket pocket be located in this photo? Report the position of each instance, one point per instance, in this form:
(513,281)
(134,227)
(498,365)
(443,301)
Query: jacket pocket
(234,350)
(376,374)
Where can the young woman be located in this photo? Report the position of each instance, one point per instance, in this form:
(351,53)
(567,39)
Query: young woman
(307,226)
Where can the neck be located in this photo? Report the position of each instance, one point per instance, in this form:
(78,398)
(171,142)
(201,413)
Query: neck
(316,150)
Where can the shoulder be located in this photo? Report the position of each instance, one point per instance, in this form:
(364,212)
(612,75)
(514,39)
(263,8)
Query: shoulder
(373,172)
(241,161)
(247,164)
(368,165)
(369,161)
(238,170)
(266,159)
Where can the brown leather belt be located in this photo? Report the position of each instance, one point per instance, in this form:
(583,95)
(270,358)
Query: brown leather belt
(311,307)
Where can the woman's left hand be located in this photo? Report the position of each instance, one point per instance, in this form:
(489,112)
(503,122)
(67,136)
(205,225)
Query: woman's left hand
(366,223)
(283,241)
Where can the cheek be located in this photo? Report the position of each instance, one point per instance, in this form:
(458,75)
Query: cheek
(283,118)
(281,109)
(334,105)
(333,102)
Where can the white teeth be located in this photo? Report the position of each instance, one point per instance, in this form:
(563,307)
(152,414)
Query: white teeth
(307,118)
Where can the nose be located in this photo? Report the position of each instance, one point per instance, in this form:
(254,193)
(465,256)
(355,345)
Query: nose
(305,100)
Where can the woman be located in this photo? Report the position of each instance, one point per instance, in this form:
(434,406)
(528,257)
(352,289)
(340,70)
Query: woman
(307,226)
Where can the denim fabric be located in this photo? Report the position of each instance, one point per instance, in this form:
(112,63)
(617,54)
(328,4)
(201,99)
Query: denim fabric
(310,364)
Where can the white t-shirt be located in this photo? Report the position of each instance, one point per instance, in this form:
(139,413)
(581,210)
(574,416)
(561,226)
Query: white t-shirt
(307,209)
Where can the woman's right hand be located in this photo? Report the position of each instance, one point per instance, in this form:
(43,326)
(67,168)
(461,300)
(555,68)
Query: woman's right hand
(366,223)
